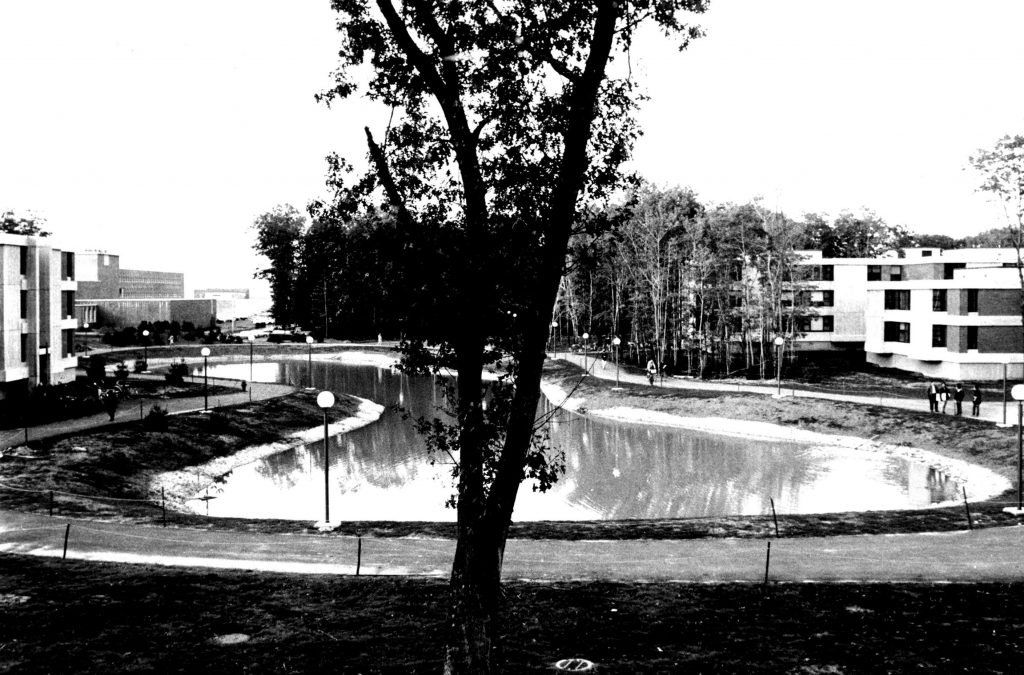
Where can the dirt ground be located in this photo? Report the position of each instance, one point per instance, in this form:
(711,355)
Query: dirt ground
(86,472)
(64,617)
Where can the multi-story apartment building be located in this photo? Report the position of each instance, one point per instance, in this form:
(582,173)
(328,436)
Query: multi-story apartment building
(37,309)
(947,314)
(834,292)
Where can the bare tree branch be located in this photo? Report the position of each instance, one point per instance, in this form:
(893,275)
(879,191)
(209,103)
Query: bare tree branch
(387,180)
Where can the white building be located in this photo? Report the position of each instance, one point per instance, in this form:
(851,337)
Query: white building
(37,310)
(951,315)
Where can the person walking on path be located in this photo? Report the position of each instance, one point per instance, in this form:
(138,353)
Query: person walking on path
(943,396)
(976,401)
(933,397)
(958,396)
(652,370)
(110,403)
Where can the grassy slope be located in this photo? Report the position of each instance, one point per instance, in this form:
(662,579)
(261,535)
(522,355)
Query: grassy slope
(102,618)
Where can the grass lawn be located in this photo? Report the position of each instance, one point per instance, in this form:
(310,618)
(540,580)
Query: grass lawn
(73,617)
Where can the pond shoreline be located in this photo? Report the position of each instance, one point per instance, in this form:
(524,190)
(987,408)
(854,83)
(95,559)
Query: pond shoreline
(953,440)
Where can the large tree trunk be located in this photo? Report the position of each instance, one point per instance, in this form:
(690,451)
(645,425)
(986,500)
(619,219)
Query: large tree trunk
(474,591)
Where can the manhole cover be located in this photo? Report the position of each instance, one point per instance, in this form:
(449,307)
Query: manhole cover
(574,665)
(230,639)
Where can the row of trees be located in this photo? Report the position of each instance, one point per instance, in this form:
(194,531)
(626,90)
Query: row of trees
(700,288)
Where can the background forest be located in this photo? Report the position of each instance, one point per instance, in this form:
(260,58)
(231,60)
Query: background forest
(700,288)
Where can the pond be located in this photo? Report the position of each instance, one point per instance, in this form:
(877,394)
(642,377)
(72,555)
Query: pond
(614,470)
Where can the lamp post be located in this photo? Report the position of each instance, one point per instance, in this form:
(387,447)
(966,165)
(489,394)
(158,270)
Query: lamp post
(554,324)
(1018,395)
(585,336)
(325,400)
(615,347)
(309,345)
(1006,367)
(205,351)
(252,343)
(779,342)
(145,348)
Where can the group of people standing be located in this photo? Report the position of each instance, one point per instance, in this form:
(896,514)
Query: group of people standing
(939,392)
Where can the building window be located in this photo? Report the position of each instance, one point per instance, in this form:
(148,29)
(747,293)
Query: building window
(24,348)
(949,268)
(67,304)
(23,259)
(939,300)
(67,265)
(69,342)
(972,337)
(972,300)
(896,331)
(24,304)
(818,298)
(895,273)
(926,254)
(897,299)
(815,324)
(874,272)
(823,273)
(938,336)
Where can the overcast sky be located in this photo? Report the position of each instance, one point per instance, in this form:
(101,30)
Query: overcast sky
(159,131)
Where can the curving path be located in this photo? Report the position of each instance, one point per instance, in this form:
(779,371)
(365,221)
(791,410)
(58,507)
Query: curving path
(991,411)
(980,556)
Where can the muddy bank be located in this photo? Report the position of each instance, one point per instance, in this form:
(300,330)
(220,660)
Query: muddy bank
(108,472)
(182,486)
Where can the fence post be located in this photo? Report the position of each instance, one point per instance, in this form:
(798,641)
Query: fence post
(51,503)
(767,560)
(774,517)
(970,523)
(359,556)
(67,531)
(163,506)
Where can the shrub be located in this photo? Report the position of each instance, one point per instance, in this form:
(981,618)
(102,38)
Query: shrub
(177,372)
(121,372)
(97,369)
(156,420)
(140,365)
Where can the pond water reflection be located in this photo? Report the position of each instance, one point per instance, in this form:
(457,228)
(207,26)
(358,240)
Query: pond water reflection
(614,470)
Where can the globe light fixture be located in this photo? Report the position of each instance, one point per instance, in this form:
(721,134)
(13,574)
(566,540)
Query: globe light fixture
(585,336)
(252,342)
(325,400)
(1018,395)
(309,345)
(615,348)
(205,351)
(779,343)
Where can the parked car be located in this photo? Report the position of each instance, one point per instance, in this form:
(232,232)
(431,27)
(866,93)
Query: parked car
(286,336)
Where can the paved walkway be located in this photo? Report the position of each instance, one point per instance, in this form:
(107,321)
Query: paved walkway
(985,555)
(991,411)
(138,408)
